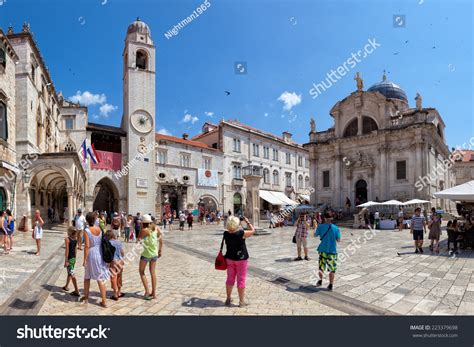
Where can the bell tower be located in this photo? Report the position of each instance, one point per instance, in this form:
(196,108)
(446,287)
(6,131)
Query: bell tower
(139,118)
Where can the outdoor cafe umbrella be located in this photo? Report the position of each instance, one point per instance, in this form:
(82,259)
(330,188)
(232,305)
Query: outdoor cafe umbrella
(463,192)
(368,204)
(416,202)
(392,203)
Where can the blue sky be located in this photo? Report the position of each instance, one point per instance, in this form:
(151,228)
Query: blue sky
(287,45)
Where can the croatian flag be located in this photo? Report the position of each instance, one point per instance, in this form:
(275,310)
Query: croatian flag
(84,150)
(97,159)
(92,154)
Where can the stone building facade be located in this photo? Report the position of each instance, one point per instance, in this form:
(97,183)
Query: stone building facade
(285,164)
(463,166)
(379,149)
(9,169)
(189,174)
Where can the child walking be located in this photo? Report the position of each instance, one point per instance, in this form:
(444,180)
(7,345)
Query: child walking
(70,260)
(151,236)
(116,266)
(37,234)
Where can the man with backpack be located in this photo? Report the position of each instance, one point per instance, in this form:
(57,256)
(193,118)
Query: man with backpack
(329,235)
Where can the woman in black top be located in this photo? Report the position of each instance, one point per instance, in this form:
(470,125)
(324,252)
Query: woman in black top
(236,257)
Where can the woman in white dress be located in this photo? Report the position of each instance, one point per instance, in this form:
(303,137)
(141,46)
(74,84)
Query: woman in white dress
(37,234)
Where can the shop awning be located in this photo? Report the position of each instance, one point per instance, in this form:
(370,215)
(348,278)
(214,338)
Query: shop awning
(269,197)
(276,198)
(286,200)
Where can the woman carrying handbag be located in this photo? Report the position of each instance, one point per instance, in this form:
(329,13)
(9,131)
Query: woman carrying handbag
(236,257)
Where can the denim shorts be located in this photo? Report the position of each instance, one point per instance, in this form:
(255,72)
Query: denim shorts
(147,260)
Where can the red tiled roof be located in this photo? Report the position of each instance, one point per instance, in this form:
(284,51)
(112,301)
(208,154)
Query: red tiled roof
(198,136)
(466,154)
(183,141)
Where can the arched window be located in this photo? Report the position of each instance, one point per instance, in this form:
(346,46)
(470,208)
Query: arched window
(306,182)
(141,60)
(3,57)
(3,199)
(300,181)
(3,121)
(266,176)
(351,129)
(368,125)
(69,147)
(276,177)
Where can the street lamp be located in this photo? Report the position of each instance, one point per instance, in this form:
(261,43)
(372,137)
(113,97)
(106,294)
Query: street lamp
(26,176)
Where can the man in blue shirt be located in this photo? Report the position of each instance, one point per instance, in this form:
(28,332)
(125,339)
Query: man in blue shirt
(329,235)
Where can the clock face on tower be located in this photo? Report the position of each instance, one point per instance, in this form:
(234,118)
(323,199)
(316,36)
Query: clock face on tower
(142,122)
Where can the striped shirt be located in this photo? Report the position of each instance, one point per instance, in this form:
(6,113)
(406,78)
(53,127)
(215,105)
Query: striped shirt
(417,222)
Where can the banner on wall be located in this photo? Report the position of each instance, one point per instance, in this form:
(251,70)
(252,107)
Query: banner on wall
(207,178)
(107,161)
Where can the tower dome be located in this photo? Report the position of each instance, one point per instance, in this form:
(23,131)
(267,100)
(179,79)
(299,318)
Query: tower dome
(139,27)
(389,89)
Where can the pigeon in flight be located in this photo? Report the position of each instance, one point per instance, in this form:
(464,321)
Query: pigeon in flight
(227,93)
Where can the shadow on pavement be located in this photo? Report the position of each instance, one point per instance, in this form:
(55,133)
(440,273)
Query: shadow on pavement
(201,303)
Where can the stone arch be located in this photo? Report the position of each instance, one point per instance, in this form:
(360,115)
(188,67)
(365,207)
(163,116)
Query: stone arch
(106,196)
(369,124)
(210,202)
(142,58)
(351,128)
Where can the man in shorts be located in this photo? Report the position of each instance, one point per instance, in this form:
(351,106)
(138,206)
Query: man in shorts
(418,226)
(301,236)
(80,225)
(329,235)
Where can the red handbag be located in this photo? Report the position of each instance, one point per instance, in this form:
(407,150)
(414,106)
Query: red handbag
(220,263)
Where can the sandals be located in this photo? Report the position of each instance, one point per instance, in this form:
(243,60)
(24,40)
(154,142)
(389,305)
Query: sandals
(114,298)
(228,302)
(66,289)
(298,259)
(75,294)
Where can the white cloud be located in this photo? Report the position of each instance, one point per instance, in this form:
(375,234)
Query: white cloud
(87,98)
(265,114)
(290,100)
(189,118)
(163,131)
(105,109)
(209,114)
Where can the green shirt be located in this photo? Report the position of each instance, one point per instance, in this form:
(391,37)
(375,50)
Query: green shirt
(150,245)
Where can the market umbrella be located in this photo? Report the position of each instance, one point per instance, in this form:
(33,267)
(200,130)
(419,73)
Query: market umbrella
(368,204)
(416,201)
(392,203)
(463,192)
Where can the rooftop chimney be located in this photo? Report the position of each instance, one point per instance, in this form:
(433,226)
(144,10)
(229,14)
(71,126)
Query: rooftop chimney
(185,136)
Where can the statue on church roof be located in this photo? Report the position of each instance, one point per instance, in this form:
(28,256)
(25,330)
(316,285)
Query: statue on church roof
(26,27)
(10,30)
(360,82)
(312,124)
(419,101)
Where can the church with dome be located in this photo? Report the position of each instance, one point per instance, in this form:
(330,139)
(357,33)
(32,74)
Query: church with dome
(379,149)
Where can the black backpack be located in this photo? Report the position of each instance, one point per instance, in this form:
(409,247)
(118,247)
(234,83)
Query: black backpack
(108,250)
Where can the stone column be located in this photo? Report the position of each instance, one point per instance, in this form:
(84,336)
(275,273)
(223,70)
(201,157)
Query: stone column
(252,207)
(383,172)
(337,180)
(70,204)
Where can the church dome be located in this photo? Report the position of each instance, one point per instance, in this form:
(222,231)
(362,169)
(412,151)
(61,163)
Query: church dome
(389,90)
(138,26)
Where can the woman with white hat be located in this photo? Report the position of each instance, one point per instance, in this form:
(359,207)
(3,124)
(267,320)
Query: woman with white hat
(152,245)
(236,257)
